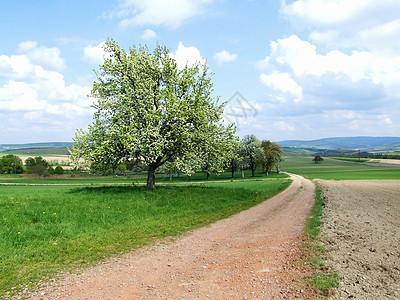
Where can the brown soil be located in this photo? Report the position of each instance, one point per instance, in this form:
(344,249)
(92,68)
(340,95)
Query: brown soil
(361,225)
(251,255)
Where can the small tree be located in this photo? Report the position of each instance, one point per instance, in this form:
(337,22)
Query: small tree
(252,151)
(37,165)
(271,156)
(317,159)
(11,164)
(59,170)
(149,109)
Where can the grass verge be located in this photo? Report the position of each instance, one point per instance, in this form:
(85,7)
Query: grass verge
(48,229)
(321,279)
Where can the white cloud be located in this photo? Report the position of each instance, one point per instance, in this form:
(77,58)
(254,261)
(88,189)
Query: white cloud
(225,56)
(297,73)
(15,66)
(281,125)
(300,57)
(361,24)
(187,56)
(284,83)
(323,12)
(170,13)
(30,87)
(46,57)
(26,46)
(95,54)
(148,34)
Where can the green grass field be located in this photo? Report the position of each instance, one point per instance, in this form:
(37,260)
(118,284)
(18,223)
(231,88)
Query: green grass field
(337,169)
(46,229)
(131,178)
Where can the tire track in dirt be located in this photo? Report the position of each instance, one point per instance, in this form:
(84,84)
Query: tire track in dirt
(248,256)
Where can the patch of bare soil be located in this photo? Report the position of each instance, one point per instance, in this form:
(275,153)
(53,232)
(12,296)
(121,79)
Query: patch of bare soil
(384,163)
(362,227)
(251,255)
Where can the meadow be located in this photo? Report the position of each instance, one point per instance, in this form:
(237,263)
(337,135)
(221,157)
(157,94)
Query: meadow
(80,178)
(337,169)
(50,228)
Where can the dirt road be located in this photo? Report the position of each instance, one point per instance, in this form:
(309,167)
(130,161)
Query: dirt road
(361,224)
(248,256)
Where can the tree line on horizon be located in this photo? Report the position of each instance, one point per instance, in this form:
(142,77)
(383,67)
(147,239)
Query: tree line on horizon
(12,164)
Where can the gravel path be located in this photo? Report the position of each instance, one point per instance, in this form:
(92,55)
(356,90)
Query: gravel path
(248,256)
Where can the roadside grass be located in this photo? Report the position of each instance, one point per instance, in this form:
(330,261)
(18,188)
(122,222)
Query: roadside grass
(45,230)
(321,279)
(131,178)
(337,169)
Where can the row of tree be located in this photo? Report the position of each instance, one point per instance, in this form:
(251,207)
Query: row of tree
(149,110)
(12,164)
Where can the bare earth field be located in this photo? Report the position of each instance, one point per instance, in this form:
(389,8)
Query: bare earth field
(384,162)
(362,227)
(251,255)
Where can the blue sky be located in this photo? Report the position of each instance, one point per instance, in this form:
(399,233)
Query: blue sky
(303,69)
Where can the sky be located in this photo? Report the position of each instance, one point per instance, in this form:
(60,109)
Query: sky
(302,69)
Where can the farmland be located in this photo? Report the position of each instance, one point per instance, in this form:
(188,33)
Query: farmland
(338,169)
(359,223)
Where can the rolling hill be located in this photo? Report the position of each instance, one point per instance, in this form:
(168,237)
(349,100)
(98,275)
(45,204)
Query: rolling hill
(45,148)
(350,143)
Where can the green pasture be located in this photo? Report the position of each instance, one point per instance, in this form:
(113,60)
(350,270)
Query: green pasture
(131,178)
(48,229)
(337,169)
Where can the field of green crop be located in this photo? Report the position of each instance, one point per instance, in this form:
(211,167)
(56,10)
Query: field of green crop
(337,169)
(46,229)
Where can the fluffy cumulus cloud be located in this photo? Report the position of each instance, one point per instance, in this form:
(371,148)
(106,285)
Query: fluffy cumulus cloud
(46,57)
(346,75)
(95,54)
(299,74)
(148,34)
(187,56)
(32,90)
(225,56)
(170,13)
(372,24)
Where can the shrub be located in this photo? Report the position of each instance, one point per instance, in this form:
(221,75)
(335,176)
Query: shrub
(59,170)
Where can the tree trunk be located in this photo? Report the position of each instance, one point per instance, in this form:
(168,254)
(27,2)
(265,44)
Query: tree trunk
(266,172)
(278,169)
(151,176)
(242,172)
(170,175)
(252,171)
(233,172)
(208,175)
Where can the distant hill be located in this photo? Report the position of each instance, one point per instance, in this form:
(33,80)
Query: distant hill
(42,148)
(351,143)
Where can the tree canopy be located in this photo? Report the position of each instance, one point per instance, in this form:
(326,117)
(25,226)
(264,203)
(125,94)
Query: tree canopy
(37,165)
(251,149)
(11,164)
(150,110)
(271,156)
(317,159)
